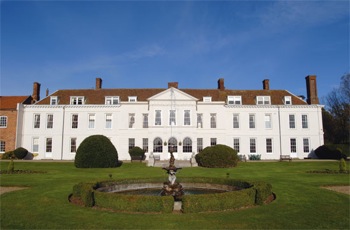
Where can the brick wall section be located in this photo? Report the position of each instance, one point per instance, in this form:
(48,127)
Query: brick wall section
(8,134)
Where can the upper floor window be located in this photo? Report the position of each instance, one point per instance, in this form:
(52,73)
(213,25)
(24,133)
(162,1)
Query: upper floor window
(304,121)
(172,117)
(112,100)
(36,121)
(92,119)
(3,121)
(291,121)
(234,100)
(199,120)
(187,117)
(132,99)
(236,121)
(131,120)
(53,100)
(268,122)
(108,121)
(287,100)
(252,121)
(158,118)
(49,124)
(263,100)
(77,100)
(213,120)
(74,121)
(145,120)
(206,99)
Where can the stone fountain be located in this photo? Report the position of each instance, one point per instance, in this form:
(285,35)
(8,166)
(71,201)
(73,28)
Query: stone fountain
(171,187)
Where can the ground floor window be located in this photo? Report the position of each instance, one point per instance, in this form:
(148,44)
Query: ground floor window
(187,145)
(236,144)
(306,145)
(73,145)
(131,143)
(252,145)
(199,144)
(49,145)
(158,145)
(35,147)
(145,144)
(268,145)
(2,146)
(293,145)
(212,141)
(172,145)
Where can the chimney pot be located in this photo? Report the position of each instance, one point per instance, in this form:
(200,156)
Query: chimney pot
(98,83)
(266,84)
(311,88)
(221,84)
(173,84)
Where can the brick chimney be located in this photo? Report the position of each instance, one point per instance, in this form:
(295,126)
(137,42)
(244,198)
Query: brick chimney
(173,84)
(36,92)
(221,84)
(311,88)
(98,83)
(266,84)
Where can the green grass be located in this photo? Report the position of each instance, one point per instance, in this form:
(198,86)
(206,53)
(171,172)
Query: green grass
(300,203)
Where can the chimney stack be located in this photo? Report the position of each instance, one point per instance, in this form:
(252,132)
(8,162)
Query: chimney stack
(266,84)
(36,92)
(221,84)
(98,83)
(173,84)
(311,88)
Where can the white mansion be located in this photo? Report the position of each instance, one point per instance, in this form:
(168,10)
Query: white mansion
(265,122)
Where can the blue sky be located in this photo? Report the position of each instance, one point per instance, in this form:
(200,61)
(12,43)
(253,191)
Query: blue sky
(146,44)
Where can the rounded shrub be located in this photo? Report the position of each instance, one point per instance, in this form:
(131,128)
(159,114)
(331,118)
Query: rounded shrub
(20,152)
(217,156)
(327,152)
(136,151)
(96,151)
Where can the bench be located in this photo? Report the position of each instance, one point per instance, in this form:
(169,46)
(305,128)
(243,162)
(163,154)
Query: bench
(138,158)
(285,157)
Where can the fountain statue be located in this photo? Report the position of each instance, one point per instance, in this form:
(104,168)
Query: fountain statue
(171,187)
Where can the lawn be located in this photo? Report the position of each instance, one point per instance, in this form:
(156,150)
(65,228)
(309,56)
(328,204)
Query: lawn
(300,203)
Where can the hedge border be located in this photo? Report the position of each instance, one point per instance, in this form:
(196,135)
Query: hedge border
(254,193)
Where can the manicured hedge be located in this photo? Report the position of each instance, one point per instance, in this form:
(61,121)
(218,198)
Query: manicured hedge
(217,156)
(20,152)
(327,152)
(254,193)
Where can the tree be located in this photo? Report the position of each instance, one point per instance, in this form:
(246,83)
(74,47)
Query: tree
(338,105)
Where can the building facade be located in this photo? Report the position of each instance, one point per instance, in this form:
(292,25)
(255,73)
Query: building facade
(263,122)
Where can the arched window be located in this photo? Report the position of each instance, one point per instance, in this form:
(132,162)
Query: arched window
(158,145)
(187,145)
(172,145)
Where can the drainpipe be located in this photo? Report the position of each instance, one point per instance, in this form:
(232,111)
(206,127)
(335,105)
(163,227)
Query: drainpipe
(279,129)
(62,142)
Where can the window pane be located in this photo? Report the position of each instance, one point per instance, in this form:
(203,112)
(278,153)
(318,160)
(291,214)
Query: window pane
(213,120)
(35,147)
(145,144)
(187,117)
(48,145)
(187,145)
(157,145)
(199,144)
(305,124)
(268,121)
(291,121)
(235,121)
(73,145)
(37,121)
(252,145)
(75,121)
(172,117)
(158,118)
(293,145)
(145,121)
(236,144)
(3,121)
(251,121)
(269,145)
(306,145)
(199,120)
(50,121)
(108,121)
(2,146)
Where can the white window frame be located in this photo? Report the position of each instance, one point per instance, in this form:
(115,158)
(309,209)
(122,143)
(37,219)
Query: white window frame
(132,98)
(252,145)
(131,120)
(172,117)
(213,121)
(199,144)
(145,144)
(206,99)
(36,123)
(131,143)
(199,120)
(49,121)
(73,145)
(263,100)
(269,146)
(287,100)
(145,120)
(187,117)
(48,145)
(91,120)
(109,119)
(75,123)
(35,144)
(306,145)
(77,100)
(293,145)
(53,100)
(234,100)
(112,100)
(292,123)
(304,121)
(158,117)
(213,141)
(187,145)
(235,120)
(236,144)
(268,121)
(2,146)
(252,121)
(3,121)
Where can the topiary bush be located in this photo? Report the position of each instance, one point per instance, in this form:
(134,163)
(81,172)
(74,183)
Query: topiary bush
(20,152)
(217,156)
(326,152)
(8,155)
(96,151)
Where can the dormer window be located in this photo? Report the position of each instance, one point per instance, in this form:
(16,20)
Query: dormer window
(287,100)
(263,100)
(77,100)
(132,99)
(53,100)
(206,99)
(112,100)
(234,100)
